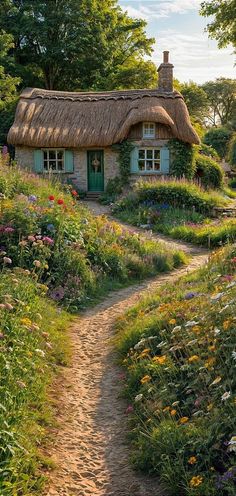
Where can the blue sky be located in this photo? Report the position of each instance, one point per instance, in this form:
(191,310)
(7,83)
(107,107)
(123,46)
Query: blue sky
(177,26)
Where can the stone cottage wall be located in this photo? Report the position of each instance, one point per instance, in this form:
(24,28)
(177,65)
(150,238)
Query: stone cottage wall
(25,158)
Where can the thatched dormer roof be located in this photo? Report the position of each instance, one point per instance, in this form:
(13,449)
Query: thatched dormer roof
(63,119)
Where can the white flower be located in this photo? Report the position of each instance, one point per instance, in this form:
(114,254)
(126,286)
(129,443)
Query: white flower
(231,285)
(225,396)
(140,344)
(234,355)
(138,398)
(163,343)
(217,297)
(217,331)
(40,352)
(191,323)
(232,444)
(176,328)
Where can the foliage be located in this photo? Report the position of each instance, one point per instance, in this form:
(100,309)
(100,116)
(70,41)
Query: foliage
(208,151)
(177,347)
(181,194)
(209,172)
(125,149)
(232,151)
(114,188)
(196,100)
(8,85)
(53,43)
(219,139)
(77,255)
(223,25)
(182,159)
(33,343)
(222,102)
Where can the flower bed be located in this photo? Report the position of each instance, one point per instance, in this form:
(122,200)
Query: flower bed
(33,342)
(178,348)
(44,230)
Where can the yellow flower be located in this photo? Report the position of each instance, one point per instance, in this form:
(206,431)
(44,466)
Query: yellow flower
(196,329)
(226,324)
(209,363)
(144,353)
(166,409)
(209,407)
(172,321)
(196,481)
(212,348)
(216,381)
(192,460)
(173,412)
(26,321)
(193,358)
(184,420)
(160,359)
(145,379)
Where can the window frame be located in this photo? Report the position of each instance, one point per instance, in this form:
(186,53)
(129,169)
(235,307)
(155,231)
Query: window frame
(50,170)
(147,159)
(148,135)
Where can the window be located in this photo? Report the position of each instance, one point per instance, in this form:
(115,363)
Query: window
(53,160)
(149,130)
(149,159)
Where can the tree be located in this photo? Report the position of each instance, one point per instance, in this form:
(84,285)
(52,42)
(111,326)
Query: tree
(223,26)
(76,44)
(8,85)
(219,139)
(196,100)
(221,95)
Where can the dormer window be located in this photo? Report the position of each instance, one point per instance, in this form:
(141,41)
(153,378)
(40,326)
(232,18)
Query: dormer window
(149,130)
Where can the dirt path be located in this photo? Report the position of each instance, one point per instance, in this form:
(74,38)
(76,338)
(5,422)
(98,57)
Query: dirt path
(90,447)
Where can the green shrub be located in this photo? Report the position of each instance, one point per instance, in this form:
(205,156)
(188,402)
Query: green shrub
(208,151)
(232,151)
(182,159)
(113,190)
(177,347)
(219,139)
(181,194)
(209,172)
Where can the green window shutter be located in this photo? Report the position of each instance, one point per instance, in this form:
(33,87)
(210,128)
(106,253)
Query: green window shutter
(134,160)
(165,160)
(69,161)
(38,161)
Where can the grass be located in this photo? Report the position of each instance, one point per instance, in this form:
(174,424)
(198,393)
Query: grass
(34,342)
(79,257)
(177,347)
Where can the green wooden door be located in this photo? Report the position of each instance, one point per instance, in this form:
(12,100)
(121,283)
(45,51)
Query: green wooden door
(95,170)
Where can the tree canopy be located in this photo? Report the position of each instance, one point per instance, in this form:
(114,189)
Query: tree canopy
(223,25)
(221,95)
(77,44)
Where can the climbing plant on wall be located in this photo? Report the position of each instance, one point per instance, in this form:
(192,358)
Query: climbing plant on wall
(183,160)
(125,149)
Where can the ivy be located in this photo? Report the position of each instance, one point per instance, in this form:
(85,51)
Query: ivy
(125,149)
(183,161)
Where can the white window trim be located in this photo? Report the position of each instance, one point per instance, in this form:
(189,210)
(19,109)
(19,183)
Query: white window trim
(56,171)
(149,171)
(149,135)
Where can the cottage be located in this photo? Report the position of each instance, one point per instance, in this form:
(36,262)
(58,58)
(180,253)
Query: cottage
(73,134)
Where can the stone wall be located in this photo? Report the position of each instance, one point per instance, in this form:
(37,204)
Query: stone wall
(25,158)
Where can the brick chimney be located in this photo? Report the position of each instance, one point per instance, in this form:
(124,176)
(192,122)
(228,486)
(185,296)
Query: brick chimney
(165,71)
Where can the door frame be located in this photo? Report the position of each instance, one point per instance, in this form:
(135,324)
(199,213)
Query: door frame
(100,151)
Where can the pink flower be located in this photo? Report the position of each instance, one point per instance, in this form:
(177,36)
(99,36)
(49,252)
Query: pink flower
(9,229)
(2,306)
(31,238)
(7,260)
(8,306)
(37,263)
(47,240)
(129,409)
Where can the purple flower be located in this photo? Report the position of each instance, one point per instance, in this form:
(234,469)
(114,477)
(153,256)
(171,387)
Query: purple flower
(190,296)
(58,294)
(4,150)
(32,198)
(50,227)
(47,240)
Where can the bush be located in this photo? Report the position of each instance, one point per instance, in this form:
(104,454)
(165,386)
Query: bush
(209,172)
(181,194)
(182,159)
(219,139)
(177,347)
(208,151)
(113,190)
(232,151)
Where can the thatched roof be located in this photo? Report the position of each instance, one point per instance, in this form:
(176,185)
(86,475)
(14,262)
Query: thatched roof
(62,119)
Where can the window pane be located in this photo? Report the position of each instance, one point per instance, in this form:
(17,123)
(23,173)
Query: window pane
(45,165)
(60,165)
(157,154)
(60,154)
(52,164)
(156,166)
(52,154)
(45,155)
(149,154)
(149,165)
(141,154)
(141,164)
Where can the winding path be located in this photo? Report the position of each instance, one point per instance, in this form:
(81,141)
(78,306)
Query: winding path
(90,447)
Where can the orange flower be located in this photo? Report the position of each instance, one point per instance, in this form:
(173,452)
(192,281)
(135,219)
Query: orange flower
(192,460)
(193,358)
(173,412)
(226,324)
(196,481)
(145,379)
(160,359)
(184,420)
(209,363)
(172,321)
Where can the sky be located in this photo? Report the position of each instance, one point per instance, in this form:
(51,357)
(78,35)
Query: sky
(177,26)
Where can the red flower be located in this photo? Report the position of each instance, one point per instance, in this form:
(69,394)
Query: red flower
(233,260)
(51,198)
(74,193)
(60,201)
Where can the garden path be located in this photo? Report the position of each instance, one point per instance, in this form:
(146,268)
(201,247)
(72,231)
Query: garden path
(90,447)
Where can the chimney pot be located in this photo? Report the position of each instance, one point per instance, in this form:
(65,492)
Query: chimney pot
(166,57)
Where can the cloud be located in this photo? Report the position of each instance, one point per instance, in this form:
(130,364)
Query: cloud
(161,8)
